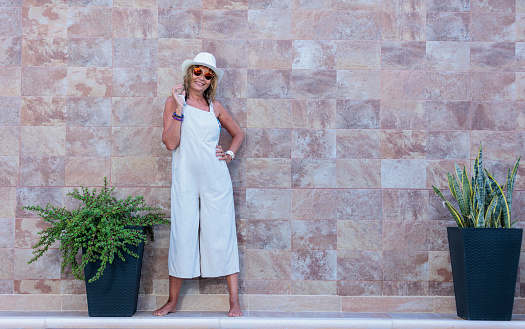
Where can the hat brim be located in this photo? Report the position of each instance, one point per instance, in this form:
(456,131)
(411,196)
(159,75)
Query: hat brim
(187,63)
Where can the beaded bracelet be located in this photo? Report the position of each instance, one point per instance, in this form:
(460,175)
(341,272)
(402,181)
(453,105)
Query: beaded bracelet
(178,117)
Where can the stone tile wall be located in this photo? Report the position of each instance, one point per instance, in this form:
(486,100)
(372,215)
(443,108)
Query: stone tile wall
(352,110)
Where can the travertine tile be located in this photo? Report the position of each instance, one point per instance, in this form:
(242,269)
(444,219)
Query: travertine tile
(447,55)
(42,141)
(359,235)
(493,86)
(37,286)
(46,267)
(447,145)
(135,111)
(508,6)
(89,22)
(448,26)
(269,24)
(9,141)
(39,51)
(364,84)
(405,265)
(520,27)
(235,84)
(314,203)
(270,4)
(43,111)
(409,26)
(31,303)
(496,27)
(317,25)
(10,111)
(89,81)
(314,265)
(137,141)
(10,85)
(269,83)
(7,236)
(405,288)
(313,143)
(403,144)
(445,115)
(437,233)
(448,5)
(268,113)
(358,25)
(405,235)
(144,52)
(439,267)
(403,114)
(268,264)
(403,173)
(492,56)
(90,3)
(268,203)
(268,173)
(88,141)
(359,204)
(268,143)
(358,55)
(225,4)
(180,23)
(134,82)
(31,196)
(358,5)
(44,81)
(437,173)
(314,84)
(135,3)
(172,52)
(269,54)
(136,171)
(314,287)
(89,111)
(44,21)
(294,303)
(96,52)
(42,3)
(42,171)
(228,53)
(314,235)
(154,263)
(7,258)
(7,287)
(448,86)
(404,55)
(268,234)
(11,25)
(358,173)
(316,173)
(86,171)
(358,114)
(359,265)
(10,170)
(359,288)
(167,78)
(313,54)
(358,144)
(8,208)
(405,204)
(224,24)
(485,118)
(436,288)
(136,22)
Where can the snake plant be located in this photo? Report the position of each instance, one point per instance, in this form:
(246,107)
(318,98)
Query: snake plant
(481,200)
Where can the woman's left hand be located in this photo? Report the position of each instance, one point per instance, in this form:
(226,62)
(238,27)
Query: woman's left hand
(221,155)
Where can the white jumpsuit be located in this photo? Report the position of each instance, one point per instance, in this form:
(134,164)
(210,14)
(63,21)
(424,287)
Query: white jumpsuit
(203,239)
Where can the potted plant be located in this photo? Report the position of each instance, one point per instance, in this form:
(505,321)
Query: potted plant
(484,249)
(111,235)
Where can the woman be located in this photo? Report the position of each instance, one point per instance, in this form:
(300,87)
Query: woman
(203,240)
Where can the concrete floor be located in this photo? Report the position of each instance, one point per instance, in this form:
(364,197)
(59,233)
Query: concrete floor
(252,319)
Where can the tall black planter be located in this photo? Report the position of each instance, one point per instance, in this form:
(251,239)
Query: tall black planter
(116,292)
(484,267)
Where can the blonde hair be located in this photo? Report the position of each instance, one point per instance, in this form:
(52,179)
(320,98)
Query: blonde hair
(209,94)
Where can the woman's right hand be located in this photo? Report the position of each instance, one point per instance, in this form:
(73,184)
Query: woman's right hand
(175,92)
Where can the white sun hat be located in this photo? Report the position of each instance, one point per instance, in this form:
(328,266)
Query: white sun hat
(205,59)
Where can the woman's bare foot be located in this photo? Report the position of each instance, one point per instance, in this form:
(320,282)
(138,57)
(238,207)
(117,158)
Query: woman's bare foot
(169,307)
(235,308)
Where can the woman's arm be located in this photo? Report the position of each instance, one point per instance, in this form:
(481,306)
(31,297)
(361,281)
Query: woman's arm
(171,133)
(232,127)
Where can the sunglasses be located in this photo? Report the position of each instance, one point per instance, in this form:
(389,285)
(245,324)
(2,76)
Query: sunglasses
(197,72)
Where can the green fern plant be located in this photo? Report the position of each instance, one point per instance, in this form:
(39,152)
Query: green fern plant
(100,225)
(481,200)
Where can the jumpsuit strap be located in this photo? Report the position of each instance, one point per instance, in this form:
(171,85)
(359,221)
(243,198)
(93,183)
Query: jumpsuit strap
(211,107)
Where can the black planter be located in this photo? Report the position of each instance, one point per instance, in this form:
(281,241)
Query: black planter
(116,292)
(484,267)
